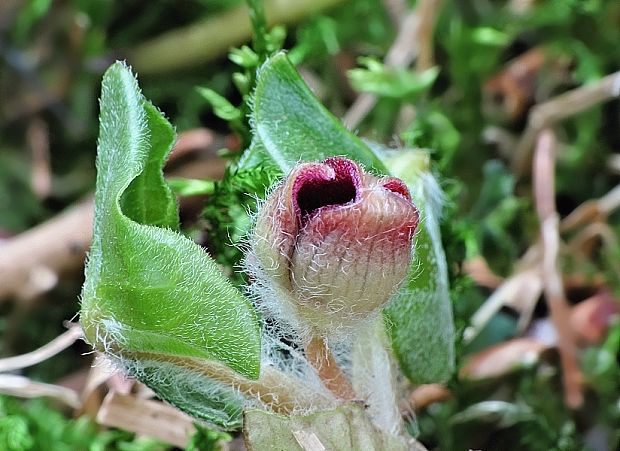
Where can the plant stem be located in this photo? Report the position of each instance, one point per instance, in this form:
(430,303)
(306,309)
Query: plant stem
(214,36)
(321,358)
(374,376)
(544,191)
(259,26)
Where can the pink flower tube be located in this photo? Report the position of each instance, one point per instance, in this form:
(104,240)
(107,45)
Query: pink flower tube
(337,240)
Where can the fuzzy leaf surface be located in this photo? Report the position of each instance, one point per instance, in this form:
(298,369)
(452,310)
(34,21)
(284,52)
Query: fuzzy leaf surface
(292,125)
(148,289)
(421,312)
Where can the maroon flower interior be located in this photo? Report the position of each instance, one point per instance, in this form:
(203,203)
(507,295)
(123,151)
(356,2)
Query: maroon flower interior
(315,188)
(397,186)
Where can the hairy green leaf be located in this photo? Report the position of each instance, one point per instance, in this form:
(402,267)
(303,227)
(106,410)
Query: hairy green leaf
(149,291)
(191,392)
(147,199)
(291,124)
(421,312)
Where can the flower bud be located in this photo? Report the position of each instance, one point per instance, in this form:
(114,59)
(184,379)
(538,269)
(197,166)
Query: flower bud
(336,240)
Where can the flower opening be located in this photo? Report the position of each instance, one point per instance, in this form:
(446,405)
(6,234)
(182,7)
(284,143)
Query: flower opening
(336,240)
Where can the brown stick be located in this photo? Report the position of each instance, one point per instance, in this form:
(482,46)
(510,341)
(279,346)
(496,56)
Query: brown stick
(11,384)
(214,36)
(37,136)
(45,352)
(146,417)
(428,10)
(321,358)
(559,108)
(544,190)
(396,9)
(30,261)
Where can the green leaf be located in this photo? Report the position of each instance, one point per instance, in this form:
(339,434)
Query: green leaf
(342,429)
(291,125)
(244,57)
(422,327)
(149,291)
(505,414)
(385,81)
(191,187)
(147,199)
(490,36)
(191,392)
(221,106)
(205,439)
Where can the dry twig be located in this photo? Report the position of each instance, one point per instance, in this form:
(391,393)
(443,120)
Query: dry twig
(523,287)
(502,358)
(428,10)
(46,351)
(214,36)
(426,394)
(396,9)
(561,107)
(414,39)
(37,136)
(147,417)
(11,384)
(31,262)
(544,189)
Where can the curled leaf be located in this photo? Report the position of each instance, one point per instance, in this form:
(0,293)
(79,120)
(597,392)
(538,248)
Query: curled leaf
(151,294)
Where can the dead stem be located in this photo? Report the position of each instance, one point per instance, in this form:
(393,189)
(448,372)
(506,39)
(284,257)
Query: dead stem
(414,39)
(524,286)
(396,9)
(544,193)
(230,28)
(146,417)
(321,358)
(428,10)
(559,108)
(37,136)
(14,385)
(46,351)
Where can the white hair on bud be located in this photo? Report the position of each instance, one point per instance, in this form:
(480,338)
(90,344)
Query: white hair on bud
(360,345)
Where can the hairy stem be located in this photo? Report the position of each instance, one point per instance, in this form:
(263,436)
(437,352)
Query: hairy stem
(322,359)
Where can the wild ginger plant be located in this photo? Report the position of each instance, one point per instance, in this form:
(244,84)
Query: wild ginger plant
(347,293)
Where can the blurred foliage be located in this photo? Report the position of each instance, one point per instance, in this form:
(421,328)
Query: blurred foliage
(402,84)
(205,439)
(35,425)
